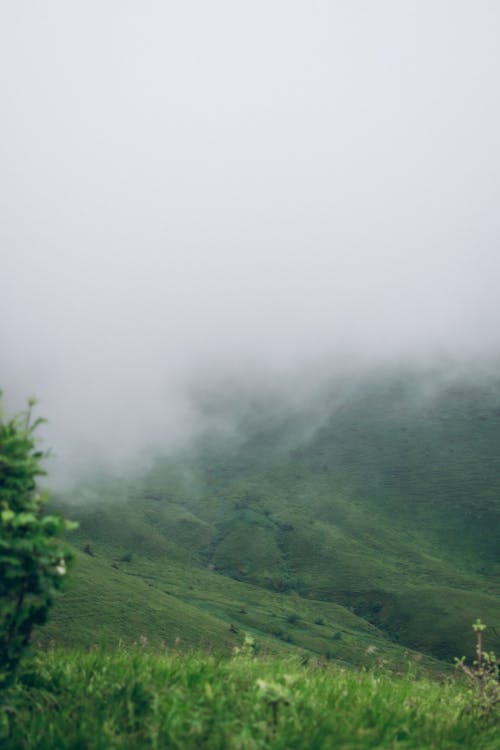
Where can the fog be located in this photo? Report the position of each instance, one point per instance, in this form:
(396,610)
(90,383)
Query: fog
(201,192)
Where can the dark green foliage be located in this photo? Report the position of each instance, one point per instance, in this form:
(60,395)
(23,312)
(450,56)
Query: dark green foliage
(33,561)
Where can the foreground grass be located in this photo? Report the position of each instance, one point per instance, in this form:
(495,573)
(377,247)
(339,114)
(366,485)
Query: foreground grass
(135,699)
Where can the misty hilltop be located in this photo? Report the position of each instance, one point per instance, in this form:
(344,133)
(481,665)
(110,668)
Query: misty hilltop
(373,506)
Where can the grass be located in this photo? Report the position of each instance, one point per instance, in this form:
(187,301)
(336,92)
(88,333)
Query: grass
(133,698)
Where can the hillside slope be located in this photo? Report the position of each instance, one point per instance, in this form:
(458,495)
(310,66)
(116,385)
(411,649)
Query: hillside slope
(381,499)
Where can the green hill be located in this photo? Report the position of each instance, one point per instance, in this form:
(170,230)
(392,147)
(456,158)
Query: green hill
(364,515)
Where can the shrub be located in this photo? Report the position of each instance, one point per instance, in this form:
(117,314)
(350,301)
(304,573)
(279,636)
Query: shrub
(484,674)
(33,561)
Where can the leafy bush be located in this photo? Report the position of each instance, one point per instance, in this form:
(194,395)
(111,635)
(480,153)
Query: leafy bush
(33,561)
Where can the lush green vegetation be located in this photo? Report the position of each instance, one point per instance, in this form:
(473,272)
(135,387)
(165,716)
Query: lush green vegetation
(33,561)
(356,540)
(135,699)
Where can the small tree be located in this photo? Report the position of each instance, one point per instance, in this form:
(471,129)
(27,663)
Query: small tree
(33,561)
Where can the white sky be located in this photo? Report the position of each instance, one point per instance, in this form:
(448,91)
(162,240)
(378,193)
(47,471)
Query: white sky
(196,186)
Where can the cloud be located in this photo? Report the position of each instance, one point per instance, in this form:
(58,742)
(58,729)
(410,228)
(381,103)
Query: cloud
(192,188)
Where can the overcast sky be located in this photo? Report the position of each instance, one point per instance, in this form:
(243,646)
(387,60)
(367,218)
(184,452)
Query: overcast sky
(194,186)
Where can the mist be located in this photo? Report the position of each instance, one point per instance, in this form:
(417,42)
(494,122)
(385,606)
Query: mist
(261,193)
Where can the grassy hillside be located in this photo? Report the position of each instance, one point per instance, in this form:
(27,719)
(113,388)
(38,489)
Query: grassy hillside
(170,605)
(367,514)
